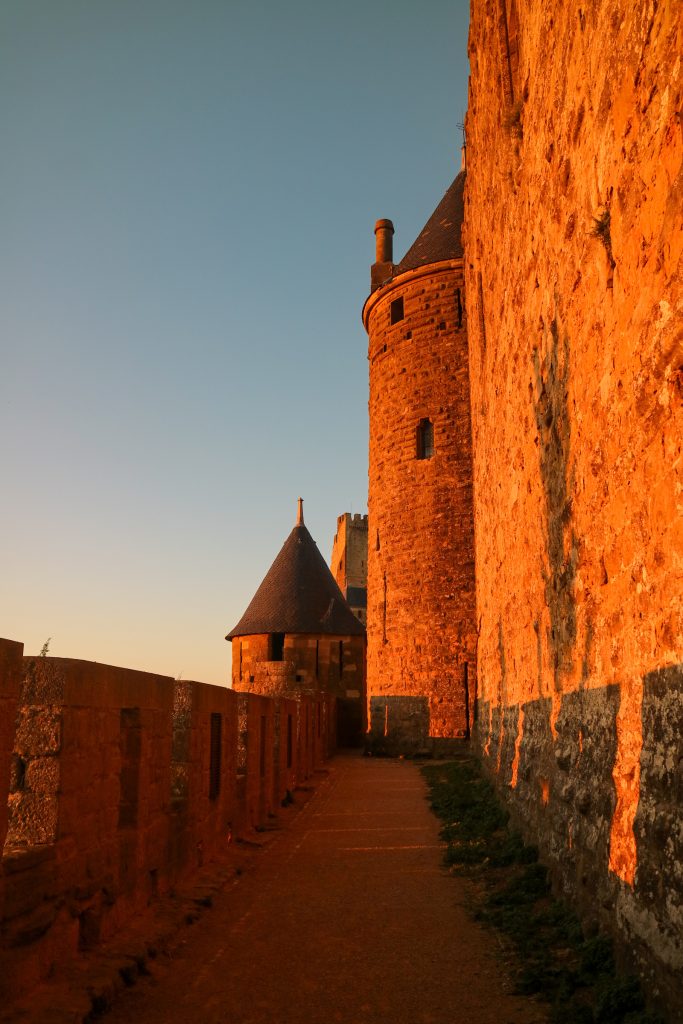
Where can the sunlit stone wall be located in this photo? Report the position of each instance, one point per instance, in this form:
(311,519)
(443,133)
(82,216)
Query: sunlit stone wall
(573,237)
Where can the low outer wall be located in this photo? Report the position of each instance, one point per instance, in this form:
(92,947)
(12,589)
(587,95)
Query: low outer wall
(120,783)
(285,750)
(255,761)
(88,828)
(203,772)
(305,757)
(574,206)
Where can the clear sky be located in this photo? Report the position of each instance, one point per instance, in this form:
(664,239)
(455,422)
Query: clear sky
(187,198)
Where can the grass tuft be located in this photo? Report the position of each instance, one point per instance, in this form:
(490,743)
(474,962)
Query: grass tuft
(556,962)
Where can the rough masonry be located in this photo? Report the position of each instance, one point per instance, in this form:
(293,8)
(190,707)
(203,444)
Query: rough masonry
(573,239)
(119,784)
(349,561)
(421,598)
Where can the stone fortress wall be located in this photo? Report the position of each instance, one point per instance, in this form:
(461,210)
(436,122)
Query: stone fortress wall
(574,241)
(559,337)
(116,784)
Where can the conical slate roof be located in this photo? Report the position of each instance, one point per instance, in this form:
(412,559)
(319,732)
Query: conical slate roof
(299,594)
(440,237)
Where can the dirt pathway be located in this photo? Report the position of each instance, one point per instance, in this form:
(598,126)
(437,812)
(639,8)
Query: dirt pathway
(348,917)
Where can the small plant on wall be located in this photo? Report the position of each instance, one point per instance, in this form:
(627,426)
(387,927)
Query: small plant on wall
(512,120)
(602,230)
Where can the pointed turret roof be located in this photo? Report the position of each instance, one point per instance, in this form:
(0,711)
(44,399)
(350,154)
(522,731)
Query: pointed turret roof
(299,594)
(440,237)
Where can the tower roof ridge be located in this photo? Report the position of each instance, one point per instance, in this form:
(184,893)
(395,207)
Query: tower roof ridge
(440,237)
(298,594)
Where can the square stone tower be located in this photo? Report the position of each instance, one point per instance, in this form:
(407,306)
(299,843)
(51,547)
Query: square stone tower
(350,561)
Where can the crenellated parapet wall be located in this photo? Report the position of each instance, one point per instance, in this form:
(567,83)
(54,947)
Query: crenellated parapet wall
(118,784)
(203,772)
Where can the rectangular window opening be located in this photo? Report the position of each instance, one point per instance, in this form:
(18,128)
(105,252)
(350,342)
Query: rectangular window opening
(262,750)
(131,754)
(277,646)
(341,658)
(425,439)
(396,311)
(215,756)
(289,741)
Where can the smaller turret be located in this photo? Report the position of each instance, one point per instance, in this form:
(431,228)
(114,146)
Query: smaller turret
(299,635)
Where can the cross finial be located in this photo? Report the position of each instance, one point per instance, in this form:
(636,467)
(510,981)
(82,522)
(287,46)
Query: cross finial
(300,513)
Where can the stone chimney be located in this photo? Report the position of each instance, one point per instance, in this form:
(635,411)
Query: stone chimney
(383,267)
(300,512)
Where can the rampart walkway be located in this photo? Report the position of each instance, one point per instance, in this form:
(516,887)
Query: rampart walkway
(348,917)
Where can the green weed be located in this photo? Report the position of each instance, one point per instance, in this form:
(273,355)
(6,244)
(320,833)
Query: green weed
(574,974)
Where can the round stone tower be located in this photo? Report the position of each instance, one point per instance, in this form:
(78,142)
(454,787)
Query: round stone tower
(421,620)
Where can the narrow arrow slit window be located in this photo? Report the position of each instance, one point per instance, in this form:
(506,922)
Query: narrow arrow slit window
(425,439)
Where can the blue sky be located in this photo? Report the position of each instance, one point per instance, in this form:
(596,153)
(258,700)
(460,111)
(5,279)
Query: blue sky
(187,200)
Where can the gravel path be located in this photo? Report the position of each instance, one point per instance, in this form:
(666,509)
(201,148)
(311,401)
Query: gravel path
(348,917)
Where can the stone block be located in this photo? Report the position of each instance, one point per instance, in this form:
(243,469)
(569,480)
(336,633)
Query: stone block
(42,775)
(39,731)
(43,682)
(32,819)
